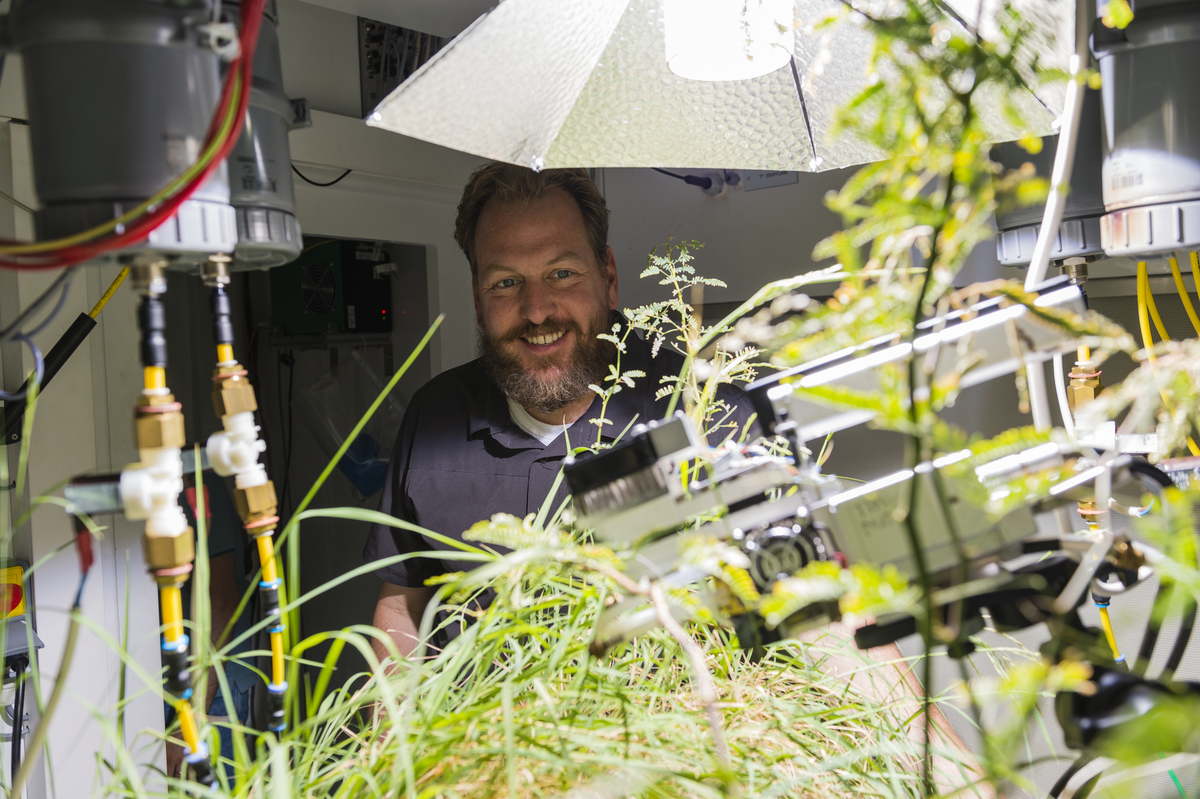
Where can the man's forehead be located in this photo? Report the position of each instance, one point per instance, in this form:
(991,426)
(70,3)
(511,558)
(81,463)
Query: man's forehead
(554,214)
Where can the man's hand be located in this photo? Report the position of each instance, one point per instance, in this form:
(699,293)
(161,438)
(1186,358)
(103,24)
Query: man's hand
(174,760)
(398,613)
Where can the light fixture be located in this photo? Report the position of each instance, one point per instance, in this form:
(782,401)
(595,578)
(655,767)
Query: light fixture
(718,40)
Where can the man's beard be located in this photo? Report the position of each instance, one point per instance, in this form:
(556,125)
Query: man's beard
(587,366)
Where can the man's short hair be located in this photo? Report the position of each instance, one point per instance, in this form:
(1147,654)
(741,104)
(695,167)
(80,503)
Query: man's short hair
(508,183)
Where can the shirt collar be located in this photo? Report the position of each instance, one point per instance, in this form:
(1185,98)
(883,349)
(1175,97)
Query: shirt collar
(489,408)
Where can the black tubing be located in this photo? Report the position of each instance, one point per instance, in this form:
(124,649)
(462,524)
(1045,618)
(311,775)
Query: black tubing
(222,324)
(152,319)
(1186,625)
(62,350)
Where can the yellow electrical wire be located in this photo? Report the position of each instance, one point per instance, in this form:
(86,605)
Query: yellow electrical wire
(224,353)
(1106,623)
(154,376)
(1183,295)
(107,295)
(1143,291)
(171,188)
(172,612)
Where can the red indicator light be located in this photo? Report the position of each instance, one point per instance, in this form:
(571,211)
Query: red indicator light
(10,597)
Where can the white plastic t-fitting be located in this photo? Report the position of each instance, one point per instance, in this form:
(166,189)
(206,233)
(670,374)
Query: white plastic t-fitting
(150,490)
(234,450)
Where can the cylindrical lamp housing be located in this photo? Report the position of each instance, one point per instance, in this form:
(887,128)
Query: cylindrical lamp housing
(260,166)
(1079,233)
(121,94)
(1151,129)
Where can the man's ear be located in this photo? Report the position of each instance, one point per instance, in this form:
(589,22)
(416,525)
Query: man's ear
(610,277)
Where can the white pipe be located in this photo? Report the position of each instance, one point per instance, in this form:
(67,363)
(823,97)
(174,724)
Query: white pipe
(1064,407)
(1064,155)
(1060,179)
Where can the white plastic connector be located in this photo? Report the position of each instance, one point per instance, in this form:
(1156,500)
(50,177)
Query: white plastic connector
(150,490)
(234,451)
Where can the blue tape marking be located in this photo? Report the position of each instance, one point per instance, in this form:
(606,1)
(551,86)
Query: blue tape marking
(200,755)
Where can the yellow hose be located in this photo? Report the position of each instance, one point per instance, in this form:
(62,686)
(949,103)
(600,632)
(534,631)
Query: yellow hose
(1183,295)
(107,295)
(172,612)
(277,675)
(155,376)
(187,725)
(224,353)
(1153,308)
(266,555)
(1106,623)
(1143,287)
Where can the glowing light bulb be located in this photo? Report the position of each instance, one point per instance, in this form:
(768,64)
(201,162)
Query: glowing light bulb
(715,40)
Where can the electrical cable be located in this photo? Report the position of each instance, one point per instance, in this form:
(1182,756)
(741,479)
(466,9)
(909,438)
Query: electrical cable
(312,182)
(20,663)
(60,683)
(39,371)
(139,222)
(289,442)
(1186,625)
(1144,304)
(109,292)
(1150,639)
(691,180)
(62,300)
(59,354)
(35,306)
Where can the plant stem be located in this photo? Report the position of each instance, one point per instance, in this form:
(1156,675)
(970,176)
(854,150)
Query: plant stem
(60,683)
(706,687)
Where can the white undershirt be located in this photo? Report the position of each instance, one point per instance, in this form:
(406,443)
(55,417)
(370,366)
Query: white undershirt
(543,432)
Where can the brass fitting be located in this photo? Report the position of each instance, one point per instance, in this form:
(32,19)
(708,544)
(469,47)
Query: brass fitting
(1126,555)
(256,502)
(169,552)
(158,429)
(232,394)
(1085,384)
(215,271)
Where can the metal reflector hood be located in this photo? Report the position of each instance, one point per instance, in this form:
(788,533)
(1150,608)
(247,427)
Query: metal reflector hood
(548,83)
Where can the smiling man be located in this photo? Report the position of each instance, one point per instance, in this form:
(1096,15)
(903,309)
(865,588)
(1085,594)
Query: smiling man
(490,436)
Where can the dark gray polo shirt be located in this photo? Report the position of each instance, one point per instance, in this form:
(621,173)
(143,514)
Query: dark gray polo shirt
(459,458)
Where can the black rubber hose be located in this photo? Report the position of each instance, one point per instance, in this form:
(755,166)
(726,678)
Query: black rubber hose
(1186,625)
(152,319)
(221,310)
(1150,639)
(1071,771)
(62,350)
(18,714)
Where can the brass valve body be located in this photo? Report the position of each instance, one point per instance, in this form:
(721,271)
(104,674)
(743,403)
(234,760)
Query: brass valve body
(158,429)
(232,392)
(169,552)
(256,502)
(1085,385)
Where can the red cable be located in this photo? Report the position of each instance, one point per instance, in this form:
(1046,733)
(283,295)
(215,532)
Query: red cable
(139,230)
